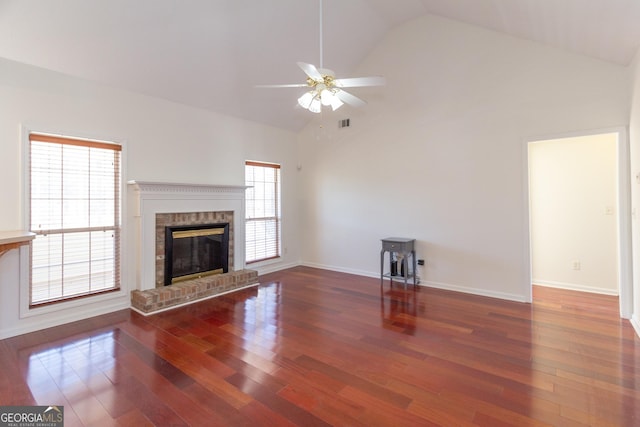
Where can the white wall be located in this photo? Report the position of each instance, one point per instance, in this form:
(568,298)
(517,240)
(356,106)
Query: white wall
(634,137)
(162,141)
(439,154)
(573,203)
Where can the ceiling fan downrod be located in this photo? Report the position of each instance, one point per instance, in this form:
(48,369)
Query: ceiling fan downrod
(321,52)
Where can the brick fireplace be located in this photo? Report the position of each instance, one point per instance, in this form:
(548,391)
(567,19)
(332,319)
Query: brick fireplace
(155,206)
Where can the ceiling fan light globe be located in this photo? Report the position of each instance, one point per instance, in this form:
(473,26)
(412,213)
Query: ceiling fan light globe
(336,103)
(326,97)
(305,100)
(315,106)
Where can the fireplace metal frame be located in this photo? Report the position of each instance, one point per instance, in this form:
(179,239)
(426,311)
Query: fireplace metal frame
(187,230)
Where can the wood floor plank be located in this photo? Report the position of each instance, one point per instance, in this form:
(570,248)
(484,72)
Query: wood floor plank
(317,347)
(261,415)
(134,418)
(377,411)
(275,402)
(223,413)
(355,381)
(329,407)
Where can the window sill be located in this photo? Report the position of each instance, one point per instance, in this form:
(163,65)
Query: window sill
(90,303)
(264,262)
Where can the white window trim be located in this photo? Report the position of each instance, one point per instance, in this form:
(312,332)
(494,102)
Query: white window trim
(279,257)
(110,298)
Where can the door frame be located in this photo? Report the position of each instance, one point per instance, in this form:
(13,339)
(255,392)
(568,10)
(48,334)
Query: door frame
(623,184)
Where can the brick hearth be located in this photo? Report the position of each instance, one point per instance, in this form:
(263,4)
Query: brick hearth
(152,300)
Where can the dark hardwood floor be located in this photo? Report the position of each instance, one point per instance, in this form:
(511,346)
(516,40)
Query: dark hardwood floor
(312,347)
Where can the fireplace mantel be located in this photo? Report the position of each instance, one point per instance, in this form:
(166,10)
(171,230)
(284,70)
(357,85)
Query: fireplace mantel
(150,187)
(147,198)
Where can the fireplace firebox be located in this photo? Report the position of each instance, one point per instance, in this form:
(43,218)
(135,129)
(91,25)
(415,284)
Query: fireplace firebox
(195,250)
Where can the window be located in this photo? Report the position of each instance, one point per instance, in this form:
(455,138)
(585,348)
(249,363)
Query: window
(262,211)
(75,213)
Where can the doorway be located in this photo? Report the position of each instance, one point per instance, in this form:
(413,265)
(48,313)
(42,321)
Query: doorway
(579,217)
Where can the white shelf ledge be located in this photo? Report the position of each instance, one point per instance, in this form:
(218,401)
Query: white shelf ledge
(14,239)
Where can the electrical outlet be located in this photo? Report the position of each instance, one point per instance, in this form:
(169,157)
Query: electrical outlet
(576,265)
(420,262)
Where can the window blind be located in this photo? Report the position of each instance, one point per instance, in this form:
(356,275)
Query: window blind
(262,218)
(75,213)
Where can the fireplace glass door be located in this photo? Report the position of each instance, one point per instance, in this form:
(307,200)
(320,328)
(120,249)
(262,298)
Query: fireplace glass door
(196,251)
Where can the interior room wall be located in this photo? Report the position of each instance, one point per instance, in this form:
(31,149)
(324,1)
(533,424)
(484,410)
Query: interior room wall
(163,141)
(634,139)
(439,154)
(572,183)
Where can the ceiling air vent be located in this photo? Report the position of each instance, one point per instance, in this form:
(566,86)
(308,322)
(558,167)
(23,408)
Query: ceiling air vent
(344,123)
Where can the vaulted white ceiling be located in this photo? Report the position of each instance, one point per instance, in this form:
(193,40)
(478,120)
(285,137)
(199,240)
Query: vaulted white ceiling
(211,53)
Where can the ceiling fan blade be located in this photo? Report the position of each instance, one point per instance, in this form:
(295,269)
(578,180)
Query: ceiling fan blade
(360,81)
(311,71)
(350,99)
(288,85)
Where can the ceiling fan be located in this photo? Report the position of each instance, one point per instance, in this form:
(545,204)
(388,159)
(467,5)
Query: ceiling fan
(324,88)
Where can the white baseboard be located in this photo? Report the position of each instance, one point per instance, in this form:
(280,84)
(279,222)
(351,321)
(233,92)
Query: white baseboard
(272,268)
(341,269)
(430,284)
(575,287)
(635,322)
(63,317)
(475,291)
